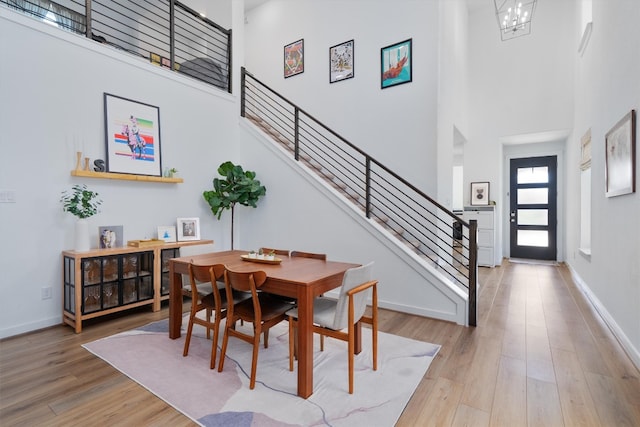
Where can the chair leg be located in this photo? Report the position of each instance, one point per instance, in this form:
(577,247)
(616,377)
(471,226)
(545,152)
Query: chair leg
(291,338)
(266,338)
(321,342)
(254,359)
(214,344)
(208,321)
(223,350)
(351,351)
(187,340)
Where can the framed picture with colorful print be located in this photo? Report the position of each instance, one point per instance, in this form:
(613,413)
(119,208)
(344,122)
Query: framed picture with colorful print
(294,58)
(395,64)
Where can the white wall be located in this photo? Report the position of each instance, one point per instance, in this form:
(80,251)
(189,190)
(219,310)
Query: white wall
(51,104)
(397,125)
(607,87)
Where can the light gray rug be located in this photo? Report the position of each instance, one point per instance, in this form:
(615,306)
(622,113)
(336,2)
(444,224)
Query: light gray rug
(210,398)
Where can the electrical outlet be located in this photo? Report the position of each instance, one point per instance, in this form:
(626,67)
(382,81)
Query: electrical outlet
(46,293)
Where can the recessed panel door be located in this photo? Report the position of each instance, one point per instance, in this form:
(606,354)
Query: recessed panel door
(533,208)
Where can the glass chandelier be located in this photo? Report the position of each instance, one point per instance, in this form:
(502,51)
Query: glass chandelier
(514,17)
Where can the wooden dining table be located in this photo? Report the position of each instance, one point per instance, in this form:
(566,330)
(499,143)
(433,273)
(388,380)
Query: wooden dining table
(297,277)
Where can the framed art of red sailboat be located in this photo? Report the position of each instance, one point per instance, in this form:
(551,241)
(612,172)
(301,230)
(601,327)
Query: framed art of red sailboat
(395,64)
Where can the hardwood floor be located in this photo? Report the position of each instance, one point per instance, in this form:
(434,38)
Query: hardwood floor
(540,356)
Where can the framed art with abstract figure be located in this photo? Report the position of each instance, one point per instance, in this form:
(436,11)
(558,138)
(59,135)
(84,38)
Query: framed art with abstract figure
(188,229)
(620,160)
(479,194)
(294,58)
(341,62)
(110,236)
(395,64)
(167,233)
(132,136)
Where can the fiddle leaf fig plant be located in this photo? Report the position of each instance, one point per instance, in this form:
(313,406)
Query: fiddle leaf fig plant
(80,201)
(236,186)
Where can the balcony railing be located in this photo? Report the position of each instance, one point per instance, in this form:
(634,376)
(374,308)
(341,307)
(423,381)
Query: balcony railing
(434,233)
(165,32)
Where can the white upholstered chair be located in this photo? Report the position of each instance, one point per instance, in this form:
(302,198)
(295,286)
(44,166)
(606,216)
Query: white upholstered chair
(331,317)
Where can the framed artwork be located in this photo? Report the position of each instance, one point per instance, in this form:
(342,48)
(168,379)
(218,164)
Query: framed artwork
(585,151)
(341,62)
(294,58)
(110,236)
(620,166)
(479,194)
(167,233)
(395,64)
(188,229)
(132,136)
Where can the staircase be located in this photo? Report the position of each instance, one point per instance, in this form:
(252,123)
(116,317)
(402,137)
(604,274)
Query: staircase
(409,217)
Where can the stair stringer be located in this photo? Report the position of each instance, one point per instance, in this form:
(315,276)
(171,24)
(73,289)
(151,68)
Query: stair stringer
(455,306)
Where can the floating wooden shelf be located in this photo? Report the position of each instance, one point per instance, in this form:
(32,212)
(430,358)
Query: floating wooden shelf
(125,176)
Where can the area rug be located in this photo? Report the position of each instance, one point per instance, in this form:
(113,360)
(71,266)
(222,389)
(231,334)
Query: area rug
(212,398)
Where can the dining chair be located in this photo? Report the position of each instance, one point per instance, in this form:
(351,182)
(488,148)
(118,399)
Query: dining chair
(308,255)
(283,252)
(261,309)
(211,301)
(331,316)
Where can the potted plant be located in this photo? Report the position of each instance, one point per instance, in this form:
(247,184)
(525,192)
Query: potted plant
(236,186)
(82,203)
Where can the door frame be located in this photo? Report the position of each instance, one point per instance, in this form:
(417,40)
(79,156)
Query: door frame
(516,151)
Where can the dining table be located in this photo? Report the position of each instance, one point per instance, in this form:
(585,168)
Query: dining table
(301,278)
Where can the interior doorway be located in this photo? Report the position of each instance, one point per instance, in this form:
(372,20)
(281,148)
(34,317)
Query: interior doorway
(533,209)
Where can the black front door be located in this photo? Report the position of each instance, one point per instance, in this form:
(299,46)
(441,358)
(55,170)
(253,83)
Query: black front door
(533,201)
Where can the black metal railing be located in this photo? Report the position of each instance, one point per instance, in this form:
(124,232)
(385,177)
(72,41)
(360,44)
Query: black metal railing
(165,32)
(415,219)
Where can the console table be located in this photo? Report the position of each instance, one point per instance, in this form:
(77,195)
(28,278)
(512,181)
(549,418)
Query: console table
(104,281)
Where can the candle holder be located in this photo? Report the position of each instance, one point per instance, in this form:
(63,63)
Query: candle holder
(78,160)
(86,163)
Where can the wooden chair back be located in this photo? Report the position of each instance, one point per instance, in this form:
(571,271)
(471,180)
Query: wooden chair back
(309,255)
(283,252)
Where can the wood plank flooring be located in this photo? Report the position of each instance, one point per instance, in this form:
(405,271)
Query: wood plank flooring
(541,356)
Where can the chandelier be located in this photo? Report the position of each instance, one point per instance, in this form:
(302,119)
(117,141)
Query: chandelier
(514,17)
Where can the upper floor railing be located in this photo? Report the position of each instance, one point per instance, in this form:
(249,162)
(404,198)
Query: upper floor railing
(165,32)
(415,219)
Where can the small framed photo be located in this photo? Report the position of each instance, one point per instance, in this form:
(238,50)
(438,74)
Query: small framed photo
(167,233)
(132,136)
(395,64)
(479,194)
(620,161)
(188,229)
(341,62)
(294,58)
(110,236)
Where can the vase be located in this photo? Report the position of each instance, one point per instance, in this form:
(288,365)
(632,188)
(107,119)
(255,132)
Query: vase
(82,235)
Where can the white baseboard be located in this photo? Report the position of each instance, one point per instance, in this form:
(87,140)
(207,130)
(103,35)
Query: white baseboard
(626,344)
(30,327)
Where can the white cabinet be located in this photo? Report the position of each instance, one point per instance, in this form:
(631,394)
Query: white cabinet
(485,215)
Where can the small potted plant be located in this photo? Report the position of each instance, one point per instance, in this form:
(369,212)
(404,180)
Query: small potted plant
(271,256)
(260,254)
(252,254)
(82,203)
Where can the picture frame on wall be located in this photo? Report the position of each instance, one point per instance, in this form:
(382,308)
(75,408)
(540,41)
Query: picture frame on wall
(132,136)
(479,194)
(395,64)
(620,160)
(188,229)
(294,58)
(110,236)
(167,233)
(341,61)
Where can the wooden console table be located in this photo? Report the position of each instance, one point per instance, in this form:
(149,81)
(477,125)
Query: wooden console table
(103,281)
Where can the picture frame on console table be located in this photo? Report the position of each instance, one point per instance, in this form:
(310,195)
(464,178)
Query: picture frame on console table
(110,236)
(132,136)
(167,233)
(620,161)
(479,194)
(188,229)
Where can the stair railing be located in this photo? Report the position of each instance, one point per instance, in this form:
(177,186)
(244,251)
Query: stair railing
(165,32)
(407,213)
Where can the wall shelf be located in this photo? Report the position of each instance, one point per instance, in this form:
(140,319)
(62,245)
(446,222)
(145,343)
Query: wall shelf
(125,176)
